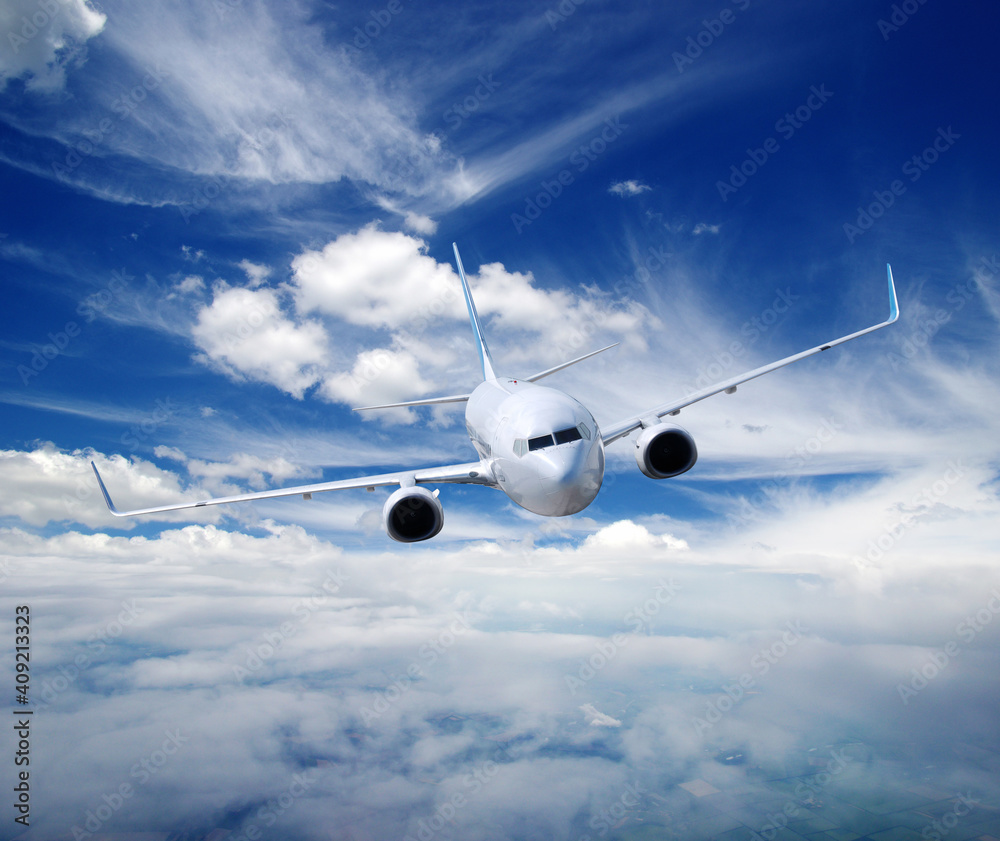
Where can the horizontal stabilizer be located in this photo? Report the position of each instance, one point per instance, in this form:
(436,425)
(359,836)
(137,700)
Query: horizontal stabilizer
(547,371)
(430,401)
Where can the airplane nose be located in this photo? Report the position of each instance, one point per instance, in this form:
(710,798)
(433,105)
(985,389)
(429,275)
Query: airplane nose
(574,477)
(562,464)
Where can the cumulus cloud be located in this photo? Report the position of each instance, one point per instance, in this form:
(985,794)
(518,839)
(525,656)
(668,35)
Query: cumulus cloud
(44,40)
(251,468)
(374,278)
(326,326)
(378,376)
(243,332)
(49,485)
(625,534)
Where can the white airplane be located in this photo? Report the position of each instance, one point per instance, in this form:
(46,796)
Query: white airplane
(538,445)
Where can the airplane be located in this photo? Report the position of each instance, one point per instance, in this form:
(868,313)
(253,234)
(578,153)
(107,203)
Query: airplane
(538,445)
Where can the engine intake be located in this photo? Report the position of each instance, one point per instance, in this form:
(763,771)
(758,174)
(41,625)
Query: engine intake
(412,514)
(663,451)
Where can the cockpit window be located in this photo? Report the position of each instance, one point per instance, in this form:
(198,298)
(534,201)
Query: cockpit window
(564,436)
(539,443)
(561,436)
(584,431)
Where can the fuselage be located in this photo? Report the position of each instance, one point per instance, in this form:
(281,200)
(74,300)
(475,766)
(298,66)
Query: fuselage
(544,447)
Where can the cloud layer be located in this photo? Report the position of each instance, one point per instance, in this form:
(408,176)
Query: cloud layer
(256,677)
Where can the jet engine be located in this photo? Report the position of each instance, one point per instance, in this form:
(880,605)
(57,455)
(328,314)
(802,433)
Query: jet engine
(663,451)
(412,514)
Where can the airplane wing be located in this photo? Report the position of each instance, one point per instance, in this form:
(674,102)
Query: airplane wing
(472,473)
(622,428)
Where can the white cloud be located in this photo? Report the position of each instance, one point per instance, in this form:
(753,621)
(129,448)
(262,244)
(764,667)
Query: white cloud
(416,222)
(595,718)
(629,188)
(44,39)
(625,534)
(171,453)
(256,273)
(379,376)
(48,485)
(704,228)
(423,225)
(386,280)
(244,333)
(247,466)
(191,284)
(281,654)
(301,112)
(377,279)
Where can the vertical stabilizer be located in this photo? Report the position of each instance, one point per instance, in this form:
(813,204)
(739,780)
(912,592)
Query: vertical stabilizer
(484,352)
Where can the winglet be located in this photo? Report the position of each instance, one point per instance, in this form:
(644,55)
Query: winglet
(104,490)
(484,352)
(893,305)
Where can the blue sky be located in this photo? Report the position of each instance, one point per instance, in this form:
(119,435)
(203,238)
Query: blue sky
(226,224)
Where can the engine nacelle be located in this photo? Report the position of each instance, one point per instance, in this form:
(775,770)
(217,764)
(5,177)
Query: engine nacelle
(412,514)
(663,451)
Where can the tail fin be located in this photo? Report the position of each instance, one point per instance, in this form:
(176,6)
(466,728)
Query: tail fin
(484,352)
